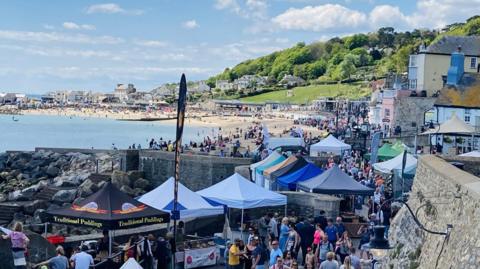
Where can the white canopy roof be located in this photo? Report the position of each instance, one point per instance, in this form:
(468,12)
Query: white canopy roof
(329,144)
(275,142)
(474,153)
(396,163)
(190,204)
(131,263)
(452,126)
(238,192)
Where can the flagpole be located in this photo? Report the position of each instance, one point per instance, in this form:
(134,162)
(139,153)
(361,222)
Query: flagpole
(178,143)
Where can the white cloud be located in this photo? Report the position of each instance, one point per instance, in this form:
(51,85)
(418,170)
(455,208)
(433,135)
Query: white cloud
(57,37)
(386,15)
(73,26)
(191,24)
(111,8)
(249,9)
(151,43)
(328,17)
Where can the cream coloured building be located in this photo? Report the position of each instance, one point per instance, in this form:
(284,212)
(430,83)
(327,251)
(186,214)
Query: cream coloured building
(428,68)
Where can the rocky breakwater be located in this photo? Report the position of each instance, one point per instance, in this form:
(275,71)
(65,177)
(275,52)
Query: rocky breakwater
(32,182)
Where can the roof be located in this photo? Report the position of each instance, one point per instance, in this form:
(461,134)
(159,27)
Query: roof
(396,164)
(334,181)
(466,94)
(452,126)
(190,204)
(238,192)
(290,168)
(290,180)
(448,44)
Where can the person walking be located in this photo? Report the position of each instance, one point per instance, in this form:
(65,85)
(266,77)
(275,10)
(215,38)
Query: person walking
(332,232)
(284,230)
(19,245)
(234,255)
(57,262)
(323,249)
(293,241)
(82,260)
(317,236)
(330,263)
(306,234)
(347,264)
(274,253)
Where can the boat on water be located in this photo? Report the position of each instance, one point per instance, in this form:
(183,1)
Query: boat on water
(14,119)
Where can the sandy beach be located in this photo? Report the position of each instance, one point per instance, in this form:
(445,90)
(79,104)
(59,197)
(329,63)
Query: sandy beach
(277,123)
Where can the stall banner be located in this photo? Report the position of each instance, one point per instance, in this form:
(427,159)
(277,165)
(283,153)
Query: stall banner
(200,257)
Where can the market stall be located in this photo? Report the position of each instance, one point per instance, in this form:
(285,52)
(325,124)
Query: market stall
(197,252)
(329,145)
(290,180)
(240,193)
(190,204)
(274,155)
(335,182)
(269,171)
(260,179)
(108,209)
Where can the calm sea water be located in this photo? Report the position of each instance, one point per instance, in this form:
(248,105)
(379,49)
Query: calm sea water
(32,131)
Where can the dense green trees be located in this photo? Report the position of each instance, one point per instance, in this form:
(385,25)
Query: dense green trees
(338,59)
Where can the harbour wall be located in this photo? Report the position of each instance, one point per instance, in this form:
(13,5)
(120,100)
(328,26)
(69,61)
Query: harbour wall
(196,171)
(442,194)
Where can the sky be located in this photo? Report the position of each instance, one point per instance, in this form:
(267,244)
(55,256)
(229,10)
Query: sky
(48,45)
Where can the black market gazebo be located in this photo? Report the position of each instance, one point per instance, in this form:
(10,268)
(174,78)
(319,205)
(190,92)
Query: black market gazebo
(108,209)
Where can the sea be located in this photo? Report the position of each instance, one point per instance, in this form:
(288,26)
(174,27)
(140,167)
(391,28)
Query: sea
(26,132)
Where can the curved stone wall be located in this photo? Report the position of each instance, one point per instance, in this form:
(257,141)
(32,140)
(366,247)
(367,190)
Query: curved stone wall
(442,194)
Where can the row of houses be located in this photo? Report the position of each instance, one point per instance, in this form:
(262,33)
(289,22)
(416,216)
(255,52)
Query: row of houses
(443,80)
(253,82)
(13,98)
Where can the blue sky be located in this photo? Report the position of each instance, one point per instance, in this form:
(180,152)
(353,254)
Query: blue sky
(92,45)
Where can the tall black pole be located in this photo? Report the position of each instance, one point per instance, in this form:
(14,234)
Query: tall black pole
(178,143)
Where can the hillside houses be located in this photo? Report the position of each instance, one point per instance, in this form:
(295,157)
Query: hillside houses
(243,83)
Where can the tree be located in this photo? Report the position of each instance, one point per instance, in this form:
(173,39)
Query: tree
(386,36)
(356,41)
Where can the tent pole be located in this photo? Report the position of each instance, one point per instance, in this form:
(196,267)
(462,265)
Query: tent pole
(109,243)
(241,226)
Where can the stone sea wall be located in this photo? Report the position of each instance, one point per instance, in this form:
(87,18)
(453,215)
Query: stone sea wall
(196,172)
(442,194)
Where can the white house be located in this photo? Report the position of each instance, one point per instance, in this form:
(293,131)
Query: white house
(223,85)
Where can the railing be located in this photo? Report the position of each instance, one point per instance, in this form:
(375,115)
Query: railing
(119,255)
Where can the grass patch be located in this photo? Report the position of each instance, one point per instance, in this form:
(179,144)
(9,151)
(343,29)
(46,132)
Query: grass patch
(307,94)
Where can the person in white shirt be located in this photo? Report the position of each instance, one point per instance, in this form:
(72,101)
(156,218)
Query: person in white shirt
(82,260)
(274,225)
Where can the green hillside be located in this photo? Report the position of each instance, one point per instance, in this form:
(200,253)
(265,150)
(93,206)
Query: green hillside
(358,57)
(302,95)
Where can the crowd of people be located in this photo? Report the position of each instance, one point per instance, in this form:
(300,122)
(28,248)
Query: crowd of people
(286,243)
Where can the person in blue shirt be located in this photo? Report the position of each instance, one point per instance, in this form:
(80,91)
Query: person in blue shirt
(340,226)
(274,253)
(332,232)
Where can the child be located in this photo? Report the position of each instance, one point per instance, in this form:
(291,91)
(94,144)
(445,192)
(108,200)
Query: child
(309,259)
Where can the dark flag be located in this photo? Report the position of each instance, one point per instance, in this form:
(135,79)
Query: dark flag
(182,97)
(404,163)
(374,147)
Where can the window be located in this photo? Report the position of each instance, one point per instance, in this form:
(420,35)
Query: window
(467,118)
(387,112)
(412,83)
(413,60)
(473,63)
(467,111)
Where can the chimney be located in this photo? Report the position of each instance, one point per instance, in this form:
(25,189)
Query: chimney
(455,72)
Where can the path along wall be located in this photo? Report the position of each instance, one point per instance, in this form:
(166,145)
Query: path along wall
(442,194)
(196,171)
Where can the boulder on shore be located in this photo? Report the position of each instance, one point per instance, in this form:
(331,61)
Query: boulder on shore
(64,196)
